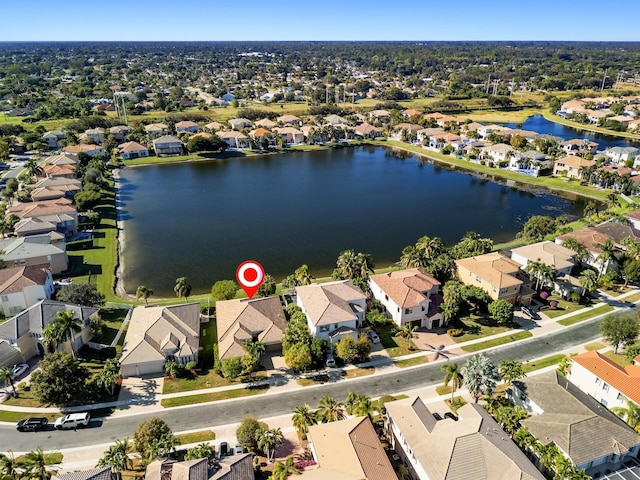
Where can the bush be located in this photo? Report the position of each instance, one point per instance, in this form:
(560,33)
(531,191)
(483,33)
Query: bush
(246,433)
(231,368)
(191,365)
(455,332)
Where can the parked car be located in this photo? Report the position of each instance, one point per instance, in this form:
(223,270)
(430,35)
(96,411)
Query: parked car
(18,370)
(331,361)
(32,424)
(238,450)
(373,336)
(530,312)
(73,420)
(224,449)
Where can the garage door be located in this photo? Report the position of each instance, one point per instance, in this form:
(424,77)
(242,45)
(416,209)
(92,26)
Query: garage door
(139,369)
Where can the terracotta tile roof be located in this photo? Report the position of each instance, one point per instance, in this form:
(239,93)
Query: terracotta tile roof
(62,158)
(166,139)
(186,124)
(155,127)
(365,128)
(15,279)
(588,237)
(576,162)
(131,147)
(214,126)
(329,303)
(265,122)
(260,132)
(82,148)
(406,287)
(624,379)
(494,268)
(412,127)
(231,134)
(47,207)
(411,113)
(59,170)
(288,119)
(202,135)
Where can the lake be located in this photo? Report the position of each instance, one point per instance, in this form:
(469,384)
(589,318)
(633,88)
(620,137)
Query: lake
(202,219)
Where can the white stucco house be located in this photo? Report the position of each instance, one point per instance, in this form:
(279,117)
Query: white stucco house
(409,296)
(333,309)
(24,286)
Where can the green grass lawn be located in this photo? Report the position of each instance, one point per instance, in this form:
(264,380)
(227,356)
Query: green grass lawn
(617,290)
(357,372)
(196,437)
(594,346)
(443,389)
(395,345)
(213,397)
(476,326)
(542,363)
(314,380)
(586,315)
(52,458)
(476,347)
(11,417)
(410,362)
(633,298)
(563,307)
(617,358)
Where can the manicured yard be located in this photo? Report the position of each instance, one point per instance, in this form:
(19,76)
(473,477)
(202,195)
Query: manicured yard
(586,315)
(314,380)
(11,417)
(443,389)
(542,363)
(214,397)
(395,345)
(633,298)
(410,362)
(617,291)
(563,307)
(476,347)
(52,458)
(475,326)
(196,437)
(617,358)
(357,372)
(594,346)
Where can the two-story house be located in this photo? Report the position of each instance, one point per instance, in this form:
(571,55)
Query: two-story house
(571,166)
(24,286)
(168,145)
(409,296)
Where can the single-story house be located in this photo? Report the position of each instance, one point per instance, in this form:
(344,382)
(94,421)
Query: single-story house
(168,145)
(259,319)
(158,334)
(42,194)
(333,309)
(36,249)
(24,331)
(130,150)
(409,296)
(24,286)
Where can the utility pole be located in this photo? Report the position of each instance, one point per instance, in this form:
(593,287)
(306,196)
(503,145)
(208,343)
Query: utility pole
(604,77)
(488,82)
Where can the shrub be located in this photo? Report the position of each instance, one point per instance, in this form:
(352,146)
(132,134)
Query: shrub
(231,367)
(455,332)
(544,295)
(553,304)
(191,365)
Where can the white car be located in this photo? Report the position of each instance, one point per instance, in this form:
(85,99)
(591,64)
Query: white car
(18,370)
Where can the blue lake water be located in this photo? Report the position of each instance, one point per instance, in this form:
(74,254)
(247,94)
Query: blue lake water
(201,220)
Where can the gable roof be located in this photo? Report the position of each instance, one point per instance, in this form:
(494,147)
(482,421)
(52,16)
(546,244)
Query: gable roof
(580,426)
(492,267)
(103,473)
(131,147)
(474,447)
(152,330)
(576,162)
(16,279)
(547,252)
(588,237)
(624,379)
(406,287)
(330,303)
(28,247)
(617,231)
(167,139)
(156,127)
(350,447)
(243,319)
(42,208)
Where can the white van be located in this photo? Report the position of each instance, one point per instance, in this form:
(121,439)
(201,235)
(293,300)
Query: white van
(73,420)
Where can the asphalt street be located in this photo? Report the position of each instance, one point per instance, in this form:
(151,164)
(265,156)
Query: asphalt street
(262,406)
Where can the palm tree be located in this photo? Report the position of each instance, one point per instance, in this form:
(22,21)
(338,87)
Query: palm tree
(144,293)
(524,439)
(612,199)
(582,254)
(409,330)
(36,463)
(62,328)
(9,466)
(509,417)
(108,376)
(480,376)
(563,468)
(358,405)
(302,275)
(117,458)
(33,169)
(5,376)
(282,470)
(453,375)
(630,414)
(267,440)
(588,281)
(607,254)
(255,348)
(511,370)
(330,410)
(542,272)
(303,418)
(182,288)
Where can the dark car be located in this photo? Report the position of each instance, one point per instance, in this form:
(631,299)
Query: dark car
(224,449)
(530,312)
(32,424)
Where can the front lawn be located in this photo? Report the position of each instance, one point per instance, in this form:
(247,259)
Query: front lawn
(564,306)
(476,326)
(410,362)
(196,437)
(542,363)
(476,347)
(617,358)
(395,345)
(586,315)
(213,397)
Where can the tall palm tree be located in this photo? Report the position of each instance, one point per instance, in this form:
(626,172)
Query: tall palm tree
(330,410)
(182,288)
(302,275)
(267,440)
(117,457)
(108,376)
(36,463)
(582,254)
(303,418)
(509,417)
(33,168)
(63,328)
(282,470)
(255,348)
(511,370)
(630,414)
(480,376)
(144,293)
(607,255)
(588,281)
(563,468)
(5,376)
(409,330)
(542,272)
(452,375)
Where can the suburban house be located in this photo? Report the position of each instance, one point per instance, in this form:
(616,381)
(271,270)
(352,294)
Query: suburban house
(500,152)
(263,137)
(120,132)
(579,147)
(234,467)
(347,450)
(497,275)
(288,120)
(52,138)
(71,184)
(590,239)
(290,135)
(588,434)
(333,309)
(36,249)
(265,123)
(215,126)
(408,113)
(96,135)
(570,166)
(158,334)
(240,123)
(91,150)
(186,126)
(130,150)
(65,170)
(441,446)
(237,321)
(237,140)
(335,120)
(24,286)
(33,226)
(425,134)
(59,212)
(62,159)
(167,145)
(401,128)
(409,296)
(547,252)
(53,193)
(155,130)
(100,473)
(368,131)
(380,115)
(606,381)
(621,154)
(24,331)
(617,232)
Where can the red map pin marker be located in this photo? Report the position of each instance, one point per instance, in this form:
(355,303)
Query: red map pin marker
(250,276)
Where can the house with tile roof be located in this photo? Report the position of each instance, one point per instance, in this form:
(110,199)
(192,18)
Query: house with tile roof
(96,135)
(52,137)
(409,296)
(590,239)
(157,334)
(233,139)
(91,150)
(550,253)
(500,152)
(290,135)
(24,286)
(36,249)
(585,431)
(130,150)
(214,126)
(23,332)
(570,166)
(240,123)
(57,171)
(40,194)
(606,381)
(288,120)
(155,130)
(265,123)
(240,320)
(187,126)
(347,450)
(497,275)
(333,309)
(367,131)
(234,467)
(120,132)
(168,145)
(578,146)
(60,212)
(101,473)
(439,446)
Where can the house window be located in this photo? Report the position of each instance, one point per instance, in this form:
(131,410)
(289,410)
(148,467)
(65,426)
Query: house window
(597,381)
(503,291)
(605,387)
(4,298)
(324,328)
(408,311)
(620,396)
(386,297)
(478,279)
(423,308)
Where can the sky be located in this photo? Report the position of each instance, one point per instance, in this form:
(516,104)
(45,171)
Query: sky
(217,20)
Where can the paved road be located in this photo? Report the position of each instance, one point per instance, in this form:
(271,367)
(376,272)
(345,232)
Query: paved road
(262,406)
